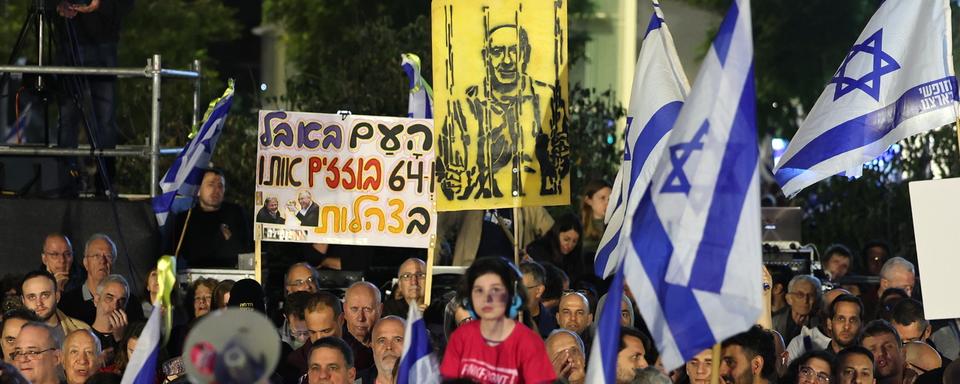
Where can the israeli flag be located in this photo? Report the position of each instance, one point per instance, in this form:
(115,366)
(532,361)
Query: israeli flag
(420,105)
(695,234)
(897,81)
(185,174)
(659,88)
(418,363)
(602,367)
(142,368)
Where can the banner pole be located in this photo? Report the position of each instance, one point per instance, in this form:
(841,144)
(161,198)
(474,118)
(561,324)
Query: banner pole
(257,254)
(431,250)
(516,235)
(715,365)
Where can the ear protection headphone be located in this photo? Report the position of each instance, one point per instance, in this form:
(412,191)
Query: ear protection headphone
(516,303)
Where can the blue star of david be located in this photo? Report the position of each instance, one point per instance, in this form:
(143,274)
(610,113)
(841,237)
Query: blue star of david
(869,83)
(677,181)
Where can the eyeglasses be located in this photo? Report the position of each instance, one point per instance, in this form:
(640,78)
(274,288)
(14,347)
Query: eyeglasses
(103,256)
(408,276)
(300,282)
(58,255)
(529,287)
(810,374)
(804,296)
(28,355)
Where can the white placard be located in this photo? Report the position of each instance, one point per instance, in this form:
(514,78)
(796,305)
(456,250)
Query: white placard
(936,207)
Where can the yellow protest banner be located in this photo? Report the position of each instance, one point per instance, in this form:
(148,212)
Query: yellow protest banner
(501,91)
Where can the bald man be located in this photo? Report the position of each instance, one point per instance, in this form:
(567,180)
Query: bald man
(411,281)
(81,356)
(565,350)
(57,257)
(573,313)
(387,339)
(361,309)
(921,357)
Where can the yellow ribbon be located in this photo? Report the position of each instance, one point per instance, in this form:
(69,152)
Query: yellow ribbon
(166,280)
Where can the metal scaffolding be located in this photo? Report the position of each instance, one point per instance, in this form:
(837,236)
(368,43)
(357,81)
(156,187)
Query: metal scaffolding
(154,71)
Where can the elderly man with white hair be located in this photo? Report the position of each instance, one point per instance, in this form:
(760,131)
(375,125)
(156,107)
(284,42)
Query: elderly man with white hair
(80,356)
(897,273)
(803,293)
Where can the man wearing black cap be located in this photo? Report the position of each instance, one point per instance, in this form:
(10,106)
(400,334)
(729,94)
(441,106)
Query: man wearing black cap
(248,294)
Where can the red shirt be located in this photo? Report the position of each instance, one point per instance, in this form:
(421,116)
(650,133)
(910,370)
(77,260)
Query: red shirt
(521,358)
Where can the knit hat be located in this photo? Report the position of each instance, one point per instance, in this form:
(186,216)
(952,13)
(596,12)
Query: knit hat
(248,294)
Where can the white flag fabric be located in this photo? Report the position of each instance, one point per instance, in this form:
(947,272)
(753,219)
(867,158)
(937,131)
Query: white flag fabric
(418,363)
(897,81)
(695,264)
(142,368)
(659,87)
(602,367)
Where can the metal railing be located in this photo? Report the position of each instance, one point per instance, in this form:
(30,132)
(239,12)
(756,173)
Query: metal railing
(152,150)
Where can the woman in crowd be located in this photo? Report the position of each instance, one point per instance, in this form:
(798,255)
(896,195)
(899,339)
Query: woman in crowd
(593,206)
(150,297)
(561,247)
(203,290)
(810,368)
(221,295)
(496,342)
(125,348)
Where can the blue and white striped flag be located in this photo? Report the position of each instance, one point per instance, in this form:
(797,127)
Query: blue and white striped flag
(420,105)
(142,368)
(418,363)
(695,265)
(602,367)
(185,174)
(659,87)
(897,81)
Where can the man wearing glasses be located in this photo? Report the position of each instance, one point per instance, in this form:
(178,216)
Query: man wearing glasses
(57,258)
(412,278)
(301,277)
(99,254)
(534,277)
(37,353)
(803,293)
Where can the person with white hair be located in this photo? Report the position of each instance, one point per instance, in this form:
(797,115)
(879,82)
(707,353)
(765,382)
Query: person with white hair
(897,273)
(803,293)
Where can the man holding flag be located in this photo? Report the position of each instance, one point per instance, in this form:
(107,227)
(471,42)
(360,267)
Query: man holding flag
(695,264)
(897,81)
(659,88)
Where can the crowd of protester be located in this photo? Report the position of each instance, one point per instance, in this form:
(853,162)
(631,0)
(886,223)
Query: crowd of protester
(78,321)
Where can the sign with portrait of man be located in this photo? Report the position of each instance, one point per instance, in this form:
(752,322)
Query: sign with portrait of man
(500,88)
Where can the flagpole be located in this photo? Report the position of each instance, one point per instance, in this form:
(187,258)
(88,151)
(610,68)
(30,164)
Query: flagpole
(715,365)
(430,259)
(183,233)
